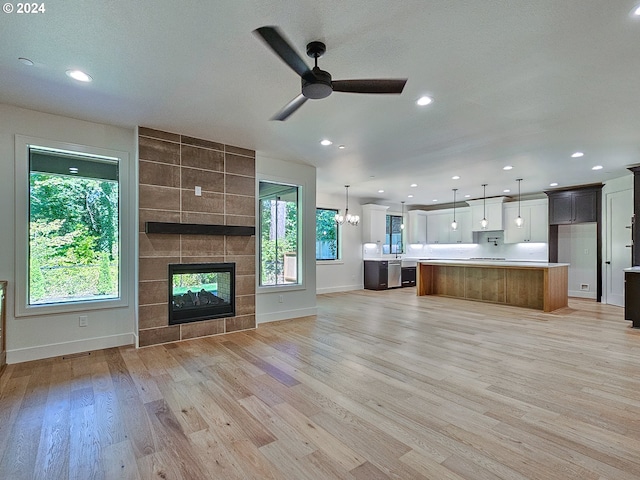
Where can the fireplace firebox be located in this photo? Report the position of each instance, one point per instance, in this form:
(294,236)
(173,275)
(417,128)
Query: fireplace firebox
(201,291)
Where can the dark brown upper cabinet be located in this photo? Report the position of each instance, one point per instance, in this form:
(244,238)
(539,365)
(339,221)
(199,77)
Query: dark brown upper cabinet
(573,206)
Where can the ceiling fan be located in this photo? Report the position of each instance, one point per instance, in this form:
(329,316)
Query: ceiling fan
(317,83)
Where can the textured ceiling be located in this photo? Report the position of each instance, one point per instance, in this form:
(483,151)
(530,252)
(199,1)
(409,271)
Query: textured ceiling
(513,82)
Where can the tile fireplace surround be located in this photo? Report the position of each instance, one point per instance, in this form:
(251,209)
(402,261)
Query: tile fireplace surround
(171,166)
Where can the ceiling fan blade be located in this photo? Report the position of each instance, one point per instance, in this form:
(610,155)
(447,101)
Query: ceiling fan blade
(388,85)
(290,108)
(281,47)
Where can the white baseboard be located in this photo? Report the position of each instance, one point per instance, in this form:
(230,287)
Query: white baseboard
(581,294)
(67,348)
(285,315)
(342,288)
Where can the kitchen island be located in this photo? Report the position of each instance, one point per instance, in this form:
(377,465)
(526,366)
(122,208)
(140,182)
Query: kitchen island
(538,285)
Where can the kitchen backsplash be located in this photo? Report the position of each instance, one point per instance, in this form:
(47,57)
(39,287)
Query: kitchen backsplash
(482,249)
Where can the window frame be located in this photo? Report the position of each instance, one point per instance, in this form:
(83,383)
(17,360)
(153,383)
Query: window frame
(338,255)
(388,236)
(299,232)
(23,144)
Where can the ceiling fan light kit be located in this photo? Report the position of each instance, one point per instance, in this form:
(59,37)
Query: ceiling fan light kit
(317,83)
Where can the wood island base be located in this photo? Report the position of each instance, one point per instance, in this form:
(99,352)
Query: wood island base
(542,286)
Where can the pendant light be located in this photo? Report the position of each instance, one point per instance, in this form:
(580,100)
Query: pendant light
(519,220)
(484,222)
(347,217)
(402,224)
(454,224)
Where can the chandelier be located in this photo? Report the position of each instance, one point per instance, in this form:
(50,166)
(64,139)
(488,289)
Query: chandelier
(347,217)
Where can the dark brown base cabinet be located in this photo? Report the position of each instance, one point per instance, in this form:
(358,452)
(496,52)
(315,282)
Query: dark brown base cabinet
(376,275)
(632,298)
(408,276)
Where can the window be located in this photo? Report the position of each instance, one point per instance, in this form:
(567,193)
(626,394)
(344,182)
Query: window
(69,245)
(393,238)
(326,234)
(279,234)
(73,227)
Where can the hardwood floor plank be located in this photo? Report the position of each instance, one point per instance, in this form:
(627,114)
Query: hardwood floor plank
(120,462)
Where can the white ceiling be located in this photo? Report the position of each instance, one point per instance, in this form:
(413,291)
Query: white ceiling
(525,83)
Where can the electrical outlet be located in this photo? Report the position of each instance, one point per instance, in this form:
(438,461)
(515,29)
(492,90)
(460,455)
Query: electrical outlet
(584,286)
(586,251)
(83,320)
(198,191)
(280,299)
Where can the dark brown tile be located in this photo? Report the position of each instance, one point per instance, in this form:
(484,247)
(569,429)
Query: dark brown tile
(150,132)
(236,164)
(240,245)
(159,198)
(202,245)
(202,158)
(239,205)
(208,181)
(153,292)
(245,284)
(159,245)
(203,218)
(155,336)
(245,264)
(199,142)
(244,220)
(202,329)
(153,316)
(245,322)
(158,151)
(155,268)
(208,202)
(162,174)
(203,259)
(240,151)
(245,305)
(240,185)
(145,215)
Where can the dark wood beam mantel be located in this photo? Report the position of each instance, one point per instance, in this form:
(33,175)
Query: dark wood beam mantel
(198,229)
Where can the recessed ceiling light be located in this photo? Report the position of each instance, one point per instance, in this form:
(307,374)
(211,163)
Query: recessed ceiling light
(326,142)
(341,147)
(554,184)
(467,196)
(507,167)
(635,12)
(409,196)
(79,75)
(455,177)
(424,100)
(414,185)
(380,191)
(506,190)
(435,199)
(577,155)
(25,61)
(597,167)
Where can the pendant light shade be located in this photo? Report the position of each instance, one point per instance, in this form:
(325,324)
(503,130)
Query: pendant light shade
(484,223)
(347,217)
(519,219)
(402,224)
(454,224)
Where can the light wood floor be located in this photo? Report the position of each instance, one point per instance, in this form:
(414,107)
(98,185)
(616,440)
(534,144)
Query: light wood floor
(379,385)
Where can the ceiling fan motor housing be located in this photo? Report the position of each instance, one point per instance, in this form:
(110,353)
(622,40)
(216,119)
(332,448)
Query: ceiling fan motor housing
(320,87)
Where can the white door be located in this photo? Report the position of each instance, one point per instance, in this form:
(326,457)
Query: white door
(617,237)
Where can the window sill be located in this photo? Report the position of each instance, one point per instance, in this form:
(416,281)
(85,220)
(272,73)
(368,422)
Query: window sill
(329,262)
(278,288)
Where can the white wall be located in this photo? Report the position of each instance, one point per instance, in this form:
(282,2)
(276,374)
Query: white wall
(577,245)
(347,273)
(297,301)
(41,336)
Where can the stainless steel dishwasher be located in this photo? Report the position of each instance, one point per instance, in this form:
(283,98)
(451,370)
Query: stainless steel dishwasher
(394,274)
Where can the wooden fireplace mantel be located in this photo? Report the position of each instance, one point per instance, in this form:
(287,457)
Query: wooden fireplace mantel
(198,229)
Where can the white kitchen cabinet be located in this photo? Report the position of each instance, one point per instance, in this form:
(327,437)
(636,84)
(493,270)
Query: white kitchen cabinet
(439,226)
(494,213)
(374,223)
(535,214)
(416,227)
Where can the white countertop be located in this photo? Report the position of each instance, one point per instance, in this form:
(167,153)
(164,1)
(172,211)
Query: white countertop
(632,269)
(494,263)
